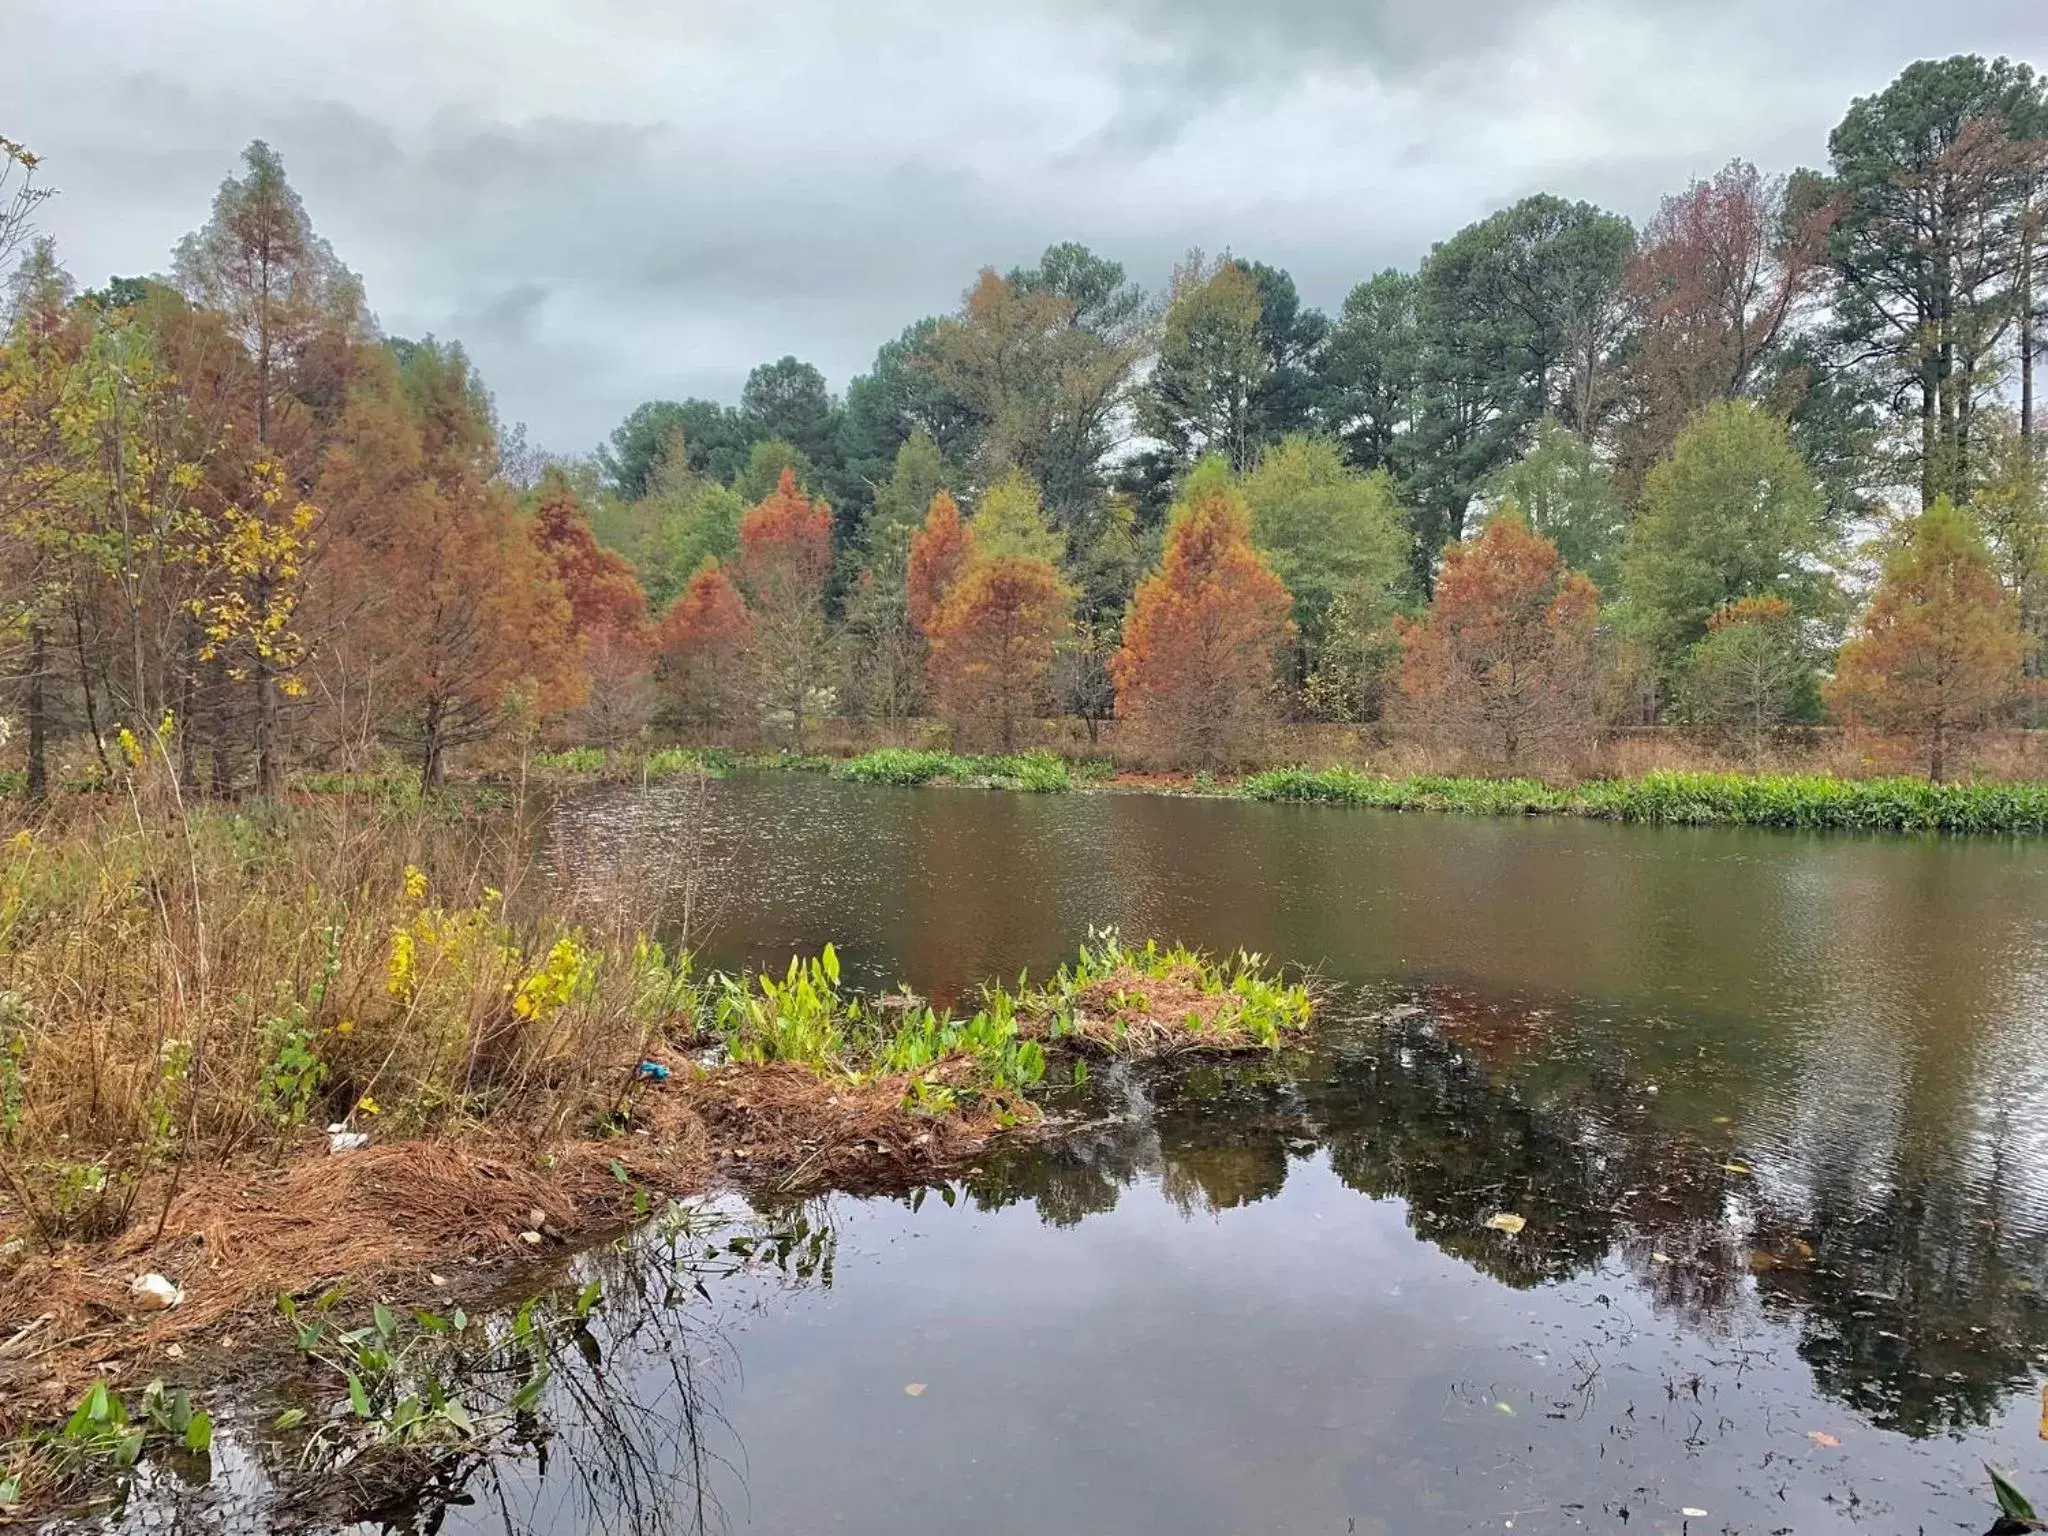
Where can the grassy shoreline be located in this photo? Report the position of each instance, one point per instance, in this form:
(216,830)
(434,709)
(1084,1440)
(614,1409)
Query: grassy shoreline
(1692,798)
(1800,802)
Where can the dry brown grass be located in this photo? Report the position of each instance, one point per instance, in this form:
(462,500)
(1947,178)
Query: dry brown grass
(1147,1016)
(184,989)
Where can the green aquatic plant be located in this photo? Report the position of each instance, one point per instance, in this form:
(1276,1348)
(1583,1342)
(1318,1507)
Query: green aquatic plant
(673,762)
(1808,802)
(101,1440)
(1038,772)
(805,1017)
(2015,1511)
(799,1017)
(1146,1001)
(399,1378)
(572,760)
(900,766)
(1155,998)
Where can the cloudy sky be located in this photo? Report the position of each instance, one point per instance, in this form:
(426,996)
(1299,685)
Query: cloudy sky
(608,200)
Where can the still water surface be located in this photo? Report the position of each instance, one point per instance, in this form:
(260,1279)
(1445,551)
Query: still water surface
(1774,1110)
(1773,1107)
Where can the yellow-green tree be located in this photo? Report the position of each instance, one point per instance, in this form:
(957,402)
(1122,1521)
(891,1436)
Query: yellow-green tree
(1937,654)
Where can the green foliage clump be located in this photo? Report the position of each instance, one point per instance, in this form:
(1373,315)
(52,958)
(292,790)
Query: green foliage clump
(1806,802)
(899,765)
(101,1440)
(1566,492)
(1418,792)
(1144,1001)
(1033,772)
(673,762)
(1732,514)
(804,1017)
(1819,802)
(572,760)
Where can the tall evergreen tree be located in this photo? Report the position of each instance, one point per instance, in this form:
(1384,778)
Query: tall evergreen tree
(1520,315)
(1934,176)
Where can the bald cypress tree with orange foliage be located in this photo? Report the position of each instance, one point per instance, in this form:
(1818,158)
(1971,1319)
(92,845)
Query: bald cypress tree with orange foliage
(940,552)
(602,590)
(1198,668)
(1504,664)
(703,649)
(1938,653)
(992,644)
(784,563)
(439,606)
(608,616)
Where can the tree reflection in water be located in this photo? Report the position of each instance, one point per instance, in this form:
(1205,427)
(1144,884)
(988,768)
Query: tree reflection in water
(1909,1265)
(1918,1300)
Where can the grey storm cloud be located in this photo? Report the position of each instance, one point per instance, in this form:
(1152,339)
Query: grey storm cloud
(608,200)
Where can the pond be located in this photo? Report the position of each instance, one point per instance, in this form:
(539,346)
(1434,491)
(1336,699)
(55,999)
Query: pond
(1771,1111)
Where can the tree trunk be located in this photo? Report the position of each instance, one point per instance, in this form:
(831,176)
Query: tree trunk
(431,751)
(2028,235)
(1937,753)
(92,717)
(266,748)
(38,719)
(188,685)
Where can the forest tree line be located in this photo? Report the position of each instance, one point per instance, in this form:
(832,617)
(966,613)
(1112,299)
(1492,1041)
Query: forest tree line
(1769,458)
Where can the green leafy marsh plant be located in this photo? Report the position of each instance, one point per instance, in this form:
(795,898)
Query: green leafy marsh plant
(1809,802)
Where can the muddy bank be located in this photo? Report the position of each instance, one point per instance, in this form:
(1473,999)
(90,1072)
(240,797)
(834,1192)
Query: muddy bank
(428,1222)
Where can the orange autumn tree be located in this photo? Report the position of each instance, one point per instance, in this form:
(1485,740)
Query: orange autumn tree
(1202,640)
(703,648)
(607,614)
(1938,653)
(442,612)
(1504,664)
(993,641)
(599,583)
(784,562)
(940,552)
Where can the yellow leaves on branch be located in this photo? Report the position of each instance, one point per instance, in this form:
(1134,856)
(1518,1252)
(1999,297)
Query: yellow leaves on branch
(256,552)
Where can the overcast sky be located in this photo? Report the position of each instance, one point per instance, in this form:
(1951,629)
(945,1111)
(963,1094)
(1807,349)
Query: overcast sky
(608,200)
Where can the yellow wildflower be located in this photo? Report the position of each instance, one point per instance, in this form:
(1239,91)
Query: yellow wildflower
(404,964)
